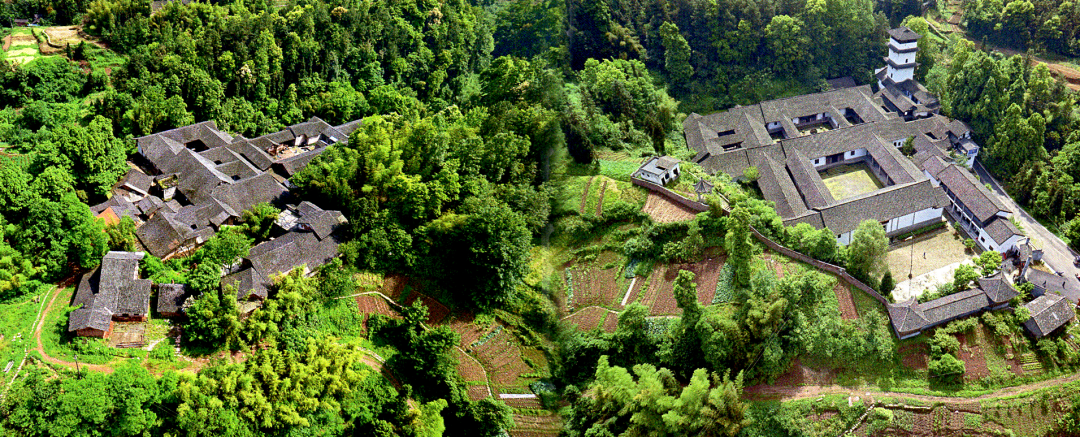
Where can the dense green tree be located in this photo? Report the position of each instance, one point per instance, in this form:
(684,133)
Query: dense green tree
(738,245)
(651,402)
(676,55)
(963,276)
(866,253)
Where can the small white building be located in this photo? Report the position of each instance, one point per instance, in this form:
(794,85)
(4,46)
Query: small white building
(659,170)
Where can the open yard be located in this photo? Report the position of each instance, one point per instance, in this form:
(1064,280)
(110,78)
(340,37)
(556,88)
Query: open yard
(926,253)
(851,180)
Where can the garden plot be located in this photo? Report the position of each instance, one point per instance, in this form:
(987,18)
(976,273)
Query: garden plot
(501,357)
(914,356)
(128,334)
(398,287)
(588,319)
(594,285)
(545,424)
(610,323)
(470,369)
(21,47)
(369,304)
(659,296)
(437,312)
(847,303)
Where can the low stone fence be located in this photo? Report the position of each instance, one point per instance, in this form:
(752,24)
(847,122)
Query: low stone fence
(820,265)
(675,197)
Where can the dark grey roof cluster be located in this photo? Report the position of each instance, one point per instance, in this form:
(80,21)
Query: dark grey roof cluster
(309,242)
(1048,313)
(1050,282)
(219,176)
(738,138)
(113,289)
(910,317)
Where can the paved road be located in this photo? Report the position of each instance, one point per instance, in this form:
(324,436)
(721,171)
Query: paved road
(1056,254)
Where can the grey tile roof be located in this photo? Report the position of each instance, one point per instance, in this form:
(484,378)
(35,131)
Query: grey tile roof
(348,128)
(150,204)
(887,203)
(933,164)
(903,34)
(311,128)
(841,82)
(808,181)
(907,317)
(84,294)
(666,162)
(320,221)
(1001,229)
(293,249)
(249,283)
(997,289)
(812,218)
(895,165)
(162,234)
(958,128)
(776,186)
(971,193)
(120,206)
(1048,313)
(293,164)
(171,297)
(113,289)
(136,180)
(245,193)
(954,305)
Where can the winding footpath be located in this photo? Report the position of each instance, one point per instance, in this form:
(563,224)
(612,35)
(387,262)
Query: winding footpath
(40,323)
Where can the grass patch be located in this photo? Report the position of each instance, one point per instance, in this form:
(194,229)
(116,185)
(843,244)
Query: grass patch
(568,199)
(100,58)
(16,328)
(618,170)
(850,180)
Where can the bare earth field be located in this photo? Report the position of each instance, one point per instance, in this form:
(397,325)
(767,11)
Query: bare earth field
(663,210)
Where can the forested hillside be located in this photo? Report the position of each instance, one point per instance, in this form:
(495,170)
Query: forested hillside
(1044,25)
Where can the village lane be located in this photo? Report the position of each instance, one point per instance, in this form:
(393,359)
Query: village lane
(1056,253)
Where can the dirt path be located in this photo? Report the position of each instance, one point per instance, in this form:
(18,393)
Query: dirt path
(600,203)
(789,393)
(41,322)
(585,195)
